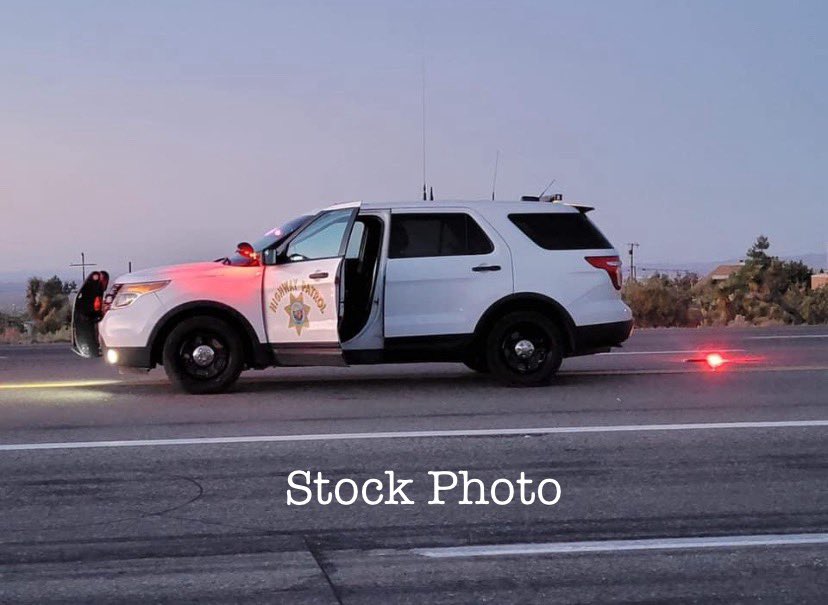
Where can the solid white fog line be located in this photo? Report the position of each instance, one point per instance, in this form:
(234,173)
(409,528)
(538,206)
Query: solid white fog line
(58,384)
(786,337)
(670,352)
(71,445)
(598,546)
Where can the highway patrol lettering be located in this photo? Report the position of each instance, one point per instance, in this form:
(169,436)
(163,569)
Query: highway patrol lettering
(292,286)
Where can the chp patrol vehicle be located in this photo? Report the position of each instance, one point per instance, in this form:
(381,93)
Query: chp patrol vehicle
(506,287)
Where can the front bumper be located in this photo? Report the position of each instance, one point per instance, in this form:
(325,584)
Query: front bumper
(130,357)
(126,332)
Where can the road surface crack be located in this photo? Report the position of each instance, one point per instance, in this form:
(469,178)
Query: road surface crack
(317,557)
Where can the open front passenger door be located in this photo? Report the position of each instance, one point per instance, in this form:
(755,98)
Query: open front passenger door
(301,290)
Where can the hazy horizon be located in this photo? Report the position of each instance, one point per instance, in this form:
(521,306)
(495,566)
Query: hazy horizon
(167,132)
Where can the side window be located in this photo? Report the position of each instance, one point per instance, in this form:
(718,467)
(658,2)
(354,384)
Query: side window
(356,240)
(560,230)
(323,238)
(440,234)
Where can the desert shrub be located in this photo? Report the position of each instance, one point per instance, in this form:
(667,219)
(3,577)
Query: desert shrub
(10,335)
(815,306)
(48,303)
(764,291)
(660,301)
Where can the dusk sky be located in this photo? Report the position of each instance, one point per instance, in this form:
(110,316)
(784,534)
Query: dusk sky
(163,132)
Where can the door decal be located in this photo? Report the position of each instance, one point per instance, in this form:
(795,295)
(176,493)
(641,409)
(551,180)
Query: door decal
(297,310)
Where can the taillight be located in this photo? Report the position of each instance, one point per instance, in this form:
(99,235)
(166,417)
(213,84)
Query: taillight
(610,264)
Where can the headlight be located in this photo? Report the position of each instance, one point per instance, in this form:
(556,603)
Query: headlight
(128,293)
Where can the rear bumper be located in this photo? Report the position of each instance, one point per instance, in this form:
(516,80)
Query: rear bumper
(599,338)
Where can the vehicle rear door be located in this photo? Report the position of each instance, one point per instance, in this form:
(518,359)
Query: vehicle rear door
(445,268)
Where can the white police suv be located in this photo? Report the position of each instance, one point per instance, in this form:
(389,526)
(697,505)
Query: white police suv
(508,288)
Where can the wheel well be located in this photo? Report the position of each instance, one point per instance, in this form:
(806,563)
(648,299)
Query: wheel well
(528,302)
(232,317)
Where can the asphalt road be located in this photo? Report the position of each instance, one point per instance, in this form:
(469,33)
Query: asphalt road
(676,482)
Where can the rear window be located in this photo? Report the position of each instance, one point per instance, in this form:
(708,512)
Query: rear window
(560,230)
(440,234)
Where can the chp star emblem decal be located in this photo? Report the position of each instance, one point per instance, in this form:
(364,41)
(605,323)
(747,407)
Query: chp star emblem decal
(297,312)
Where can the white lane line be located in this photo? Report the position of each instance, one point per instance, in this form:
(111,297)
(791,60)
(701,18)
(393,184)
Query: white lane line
(495,550)
(786,337)
(670,352)
(71,445)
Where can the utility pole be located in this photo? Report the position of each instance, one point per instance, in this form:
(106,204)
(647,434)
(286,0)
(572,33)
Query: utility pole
(632,247)
(83,265)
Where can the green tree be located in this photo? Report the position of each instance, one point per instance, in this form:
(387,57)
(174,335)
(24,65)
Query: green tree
(757,252)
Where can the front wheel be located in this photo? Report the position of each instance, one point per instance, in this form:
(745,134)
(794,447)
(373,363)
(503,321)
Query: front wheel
(524,349)
(203,355)
(477,363)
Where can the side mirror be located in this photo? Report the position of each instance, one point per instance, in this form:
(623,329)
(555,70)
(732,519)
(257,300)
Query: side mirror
(245,250)
(272,256)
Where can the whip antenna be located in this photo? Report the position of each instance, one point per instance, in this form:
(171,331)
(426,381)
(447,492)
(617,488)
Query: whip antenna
(494,180)
(424,129)
(552,182)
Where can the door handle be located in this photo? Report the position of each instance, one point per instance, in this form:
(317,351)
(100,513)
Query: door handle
(486,268)
(318,275)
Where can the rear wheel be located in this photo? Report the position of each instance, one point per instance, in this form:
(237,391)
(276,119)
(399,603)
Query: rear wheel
(203,355)
(523,348)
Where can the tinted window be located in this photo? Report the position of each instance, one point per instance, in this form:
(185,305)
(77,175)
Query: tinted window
(445,234)
(560,231)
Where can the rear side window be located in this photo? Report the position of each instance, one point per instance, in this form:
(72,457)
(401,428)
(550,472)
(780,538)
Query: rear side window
(560,230)
(442,234)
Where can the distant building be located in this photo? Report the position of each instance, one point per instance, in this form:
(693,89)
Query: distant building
(722,272)
(819,280)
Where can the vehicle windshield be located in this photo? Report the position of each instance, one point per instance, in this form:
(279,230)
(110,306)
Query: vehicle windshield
(271,238)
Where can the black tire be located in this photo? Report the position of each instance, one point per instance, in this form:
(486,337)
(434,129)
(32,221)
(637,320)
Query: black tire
(477,363)
(537,361)
(200,377)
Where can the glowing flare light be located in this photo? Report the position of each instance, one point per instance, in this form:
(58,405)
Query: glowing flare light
(714,360)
